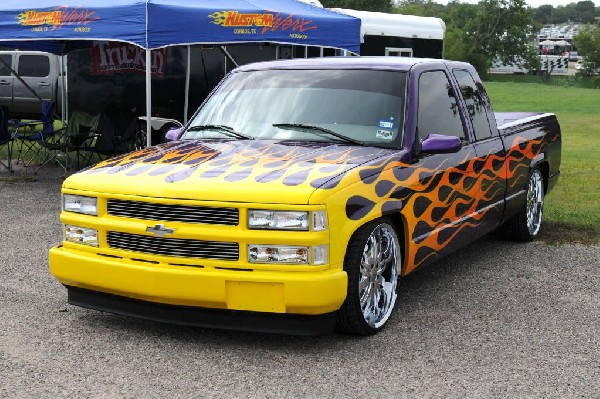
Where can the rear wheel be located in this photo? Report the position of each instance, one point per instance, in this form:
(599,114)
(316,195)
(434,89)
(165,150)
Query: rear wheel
(372,263)
(526,225)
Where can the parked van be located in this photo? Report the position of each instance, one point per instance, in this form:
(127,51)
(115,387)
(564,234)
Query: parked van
(39,70)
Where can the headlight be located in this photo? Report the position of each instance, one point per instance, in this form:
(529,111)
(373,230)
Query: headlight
(80,204)
(81,235)
(286,220)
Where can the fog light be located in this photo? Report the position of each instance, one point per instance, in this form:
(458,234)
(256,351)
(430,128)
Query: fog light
(81,235)
(277,254)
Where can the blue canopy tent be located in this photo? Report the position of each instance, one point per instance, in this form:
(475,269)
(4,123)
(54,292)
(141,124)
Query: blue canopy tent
(59,27)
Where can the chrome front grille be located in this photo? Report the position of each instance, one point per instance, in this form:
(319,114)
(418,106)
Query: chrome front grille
(180,247)
(173,213)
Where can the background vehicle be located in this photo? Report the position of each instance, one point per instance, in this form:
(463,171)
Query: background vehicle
(300,191)
(40,71)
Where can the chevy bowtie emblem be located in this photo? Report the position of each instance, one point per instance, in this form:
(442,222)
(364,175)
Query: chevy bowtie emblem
(160,230)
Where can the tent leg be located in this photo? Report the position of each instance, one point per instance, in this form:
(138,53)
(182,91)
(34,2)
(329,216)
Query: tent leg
(148,98)
(186,104)
(229,57)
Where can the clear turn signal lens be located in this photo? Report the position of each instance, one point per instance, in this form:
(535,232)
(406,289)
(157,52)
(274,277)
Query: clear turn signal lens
(319,220)
(320,255)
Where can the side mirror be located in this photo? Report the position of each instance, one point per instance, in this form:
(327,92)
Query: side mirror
(440,144)
(173,134)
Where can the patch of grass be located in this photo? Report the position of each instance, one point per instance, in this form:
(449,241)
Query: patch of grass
(18,179)
(588,82)
(556,233)
(573,207)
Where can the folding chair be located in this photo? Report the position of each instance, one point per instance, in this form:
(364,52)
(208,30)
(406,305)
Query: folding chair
(6,139)
(29,135)
(81,131)
(116,135)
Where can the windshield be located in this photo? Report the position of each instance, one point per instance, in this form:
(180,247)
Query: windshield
(357,107)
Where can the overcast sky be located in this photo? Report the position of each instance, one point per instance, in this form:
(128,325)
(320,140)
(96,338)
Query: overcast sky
(532,3)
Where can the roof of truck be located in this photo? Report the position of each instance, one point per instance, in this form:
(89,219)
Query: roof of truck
(382,63)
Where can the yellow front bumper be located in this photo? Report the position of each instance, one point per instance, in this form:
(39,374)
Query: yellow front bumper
(306,292)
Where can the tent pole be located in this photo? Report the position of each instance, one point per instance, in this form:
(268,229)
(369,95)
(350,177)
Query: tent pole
(186,104)
(148,98)
(63,90)
(229,57)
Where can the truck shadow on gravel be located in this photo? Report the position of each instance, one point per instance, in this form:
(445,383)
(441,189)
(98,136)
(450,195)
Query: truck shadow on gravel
(424,297)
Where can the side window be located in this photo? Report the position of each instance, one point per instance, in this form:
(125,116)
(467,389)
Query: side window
(438,111)
(4,71)
(477,104)
(36,66)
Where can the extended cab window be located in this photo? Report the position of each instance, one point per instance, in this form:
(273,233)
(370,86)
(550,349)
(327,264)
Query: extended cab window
(476,102)
(362,105)
(438,110)
(36,66)
(4,70)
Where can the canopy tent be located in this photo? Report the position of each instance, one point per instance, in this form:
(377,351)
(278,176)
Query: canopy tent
(58,27)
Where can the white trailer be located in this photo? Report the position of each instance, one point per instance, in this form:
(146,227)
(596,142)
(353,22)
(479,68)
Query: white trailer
(399,35)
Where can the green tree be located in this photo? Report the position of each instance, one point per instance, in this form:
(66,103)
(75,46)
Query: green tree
(588,44)
(422,8)
(584,11)
(543,14)
(500,30)
(365,5)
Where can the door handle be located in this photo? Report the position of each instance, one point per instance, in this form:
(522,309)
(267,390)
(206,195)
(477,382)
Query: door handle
(43,84)
(4,83)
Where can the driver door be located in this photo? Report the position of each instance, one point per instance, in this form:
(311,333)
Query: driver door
(442,186)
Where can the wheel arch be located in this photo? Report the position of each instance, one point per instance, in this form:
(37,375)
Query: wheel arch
(541,162)
(400,225)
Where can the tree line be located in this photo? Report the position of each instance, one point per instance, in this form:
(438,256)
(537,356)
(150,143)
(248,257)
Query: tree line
(582,12)
(494,29)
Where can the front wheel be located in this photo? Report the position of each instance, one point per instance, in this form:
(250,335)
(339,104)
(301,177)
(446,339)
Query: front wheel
(372,262)
(526,225)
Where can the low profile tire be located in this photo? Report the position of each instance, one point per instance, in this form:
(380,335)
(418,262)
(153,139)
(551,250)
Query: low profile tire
(526,225)
(372,262)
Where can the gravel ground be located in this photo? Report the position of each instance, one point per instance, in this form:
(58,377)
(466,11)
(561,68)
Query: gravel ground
(496,319)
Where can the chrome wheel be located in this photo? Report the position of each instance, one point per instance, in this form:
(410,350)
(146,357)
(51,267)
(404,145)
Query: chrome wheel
(378,277)
(535,202)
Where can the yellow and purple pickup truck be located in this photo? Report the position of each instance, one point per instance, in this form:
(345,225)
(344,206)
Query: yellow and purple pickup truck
(300,192)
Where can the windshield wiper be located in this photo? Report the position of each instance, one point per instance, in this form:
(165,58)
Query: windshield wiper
(302,126)
(229,131)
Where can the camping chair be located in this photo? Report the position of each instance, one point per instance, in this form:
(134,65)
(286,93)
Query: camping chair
(116,135)
(6,138)
(81,130)
(30,134)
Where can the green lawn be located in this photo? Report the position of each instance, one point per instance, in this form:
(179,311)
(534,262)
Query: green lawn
(572,210)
